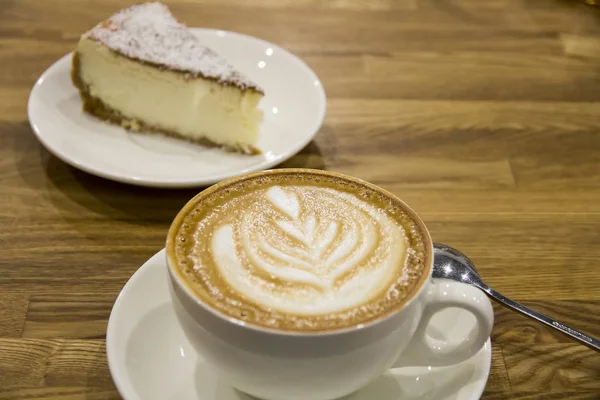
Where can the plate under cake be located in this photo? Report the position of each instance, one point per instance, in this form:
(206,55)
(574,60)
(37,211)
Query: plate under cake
(147,72)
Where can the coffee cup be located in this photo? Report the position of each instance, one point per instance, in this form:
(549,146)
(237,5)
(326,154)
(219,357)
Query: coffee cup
(303,284)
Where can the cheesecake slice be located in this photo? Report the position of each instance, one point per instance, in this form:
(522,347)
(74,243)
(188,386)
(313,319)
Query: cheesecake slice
(143,70)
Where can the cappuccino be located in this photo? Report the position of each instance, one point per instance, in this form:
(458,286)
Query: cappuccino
(299,250)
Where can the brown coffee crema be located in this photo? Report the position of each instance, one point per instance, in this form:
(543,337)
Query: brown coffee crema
(300,250)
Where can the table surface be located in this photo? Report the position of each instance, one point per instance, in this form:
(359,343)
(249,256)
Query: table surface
(482,115)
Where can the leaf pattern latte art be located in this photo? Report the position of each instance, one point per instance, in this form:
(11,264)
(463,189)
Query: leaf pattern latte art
(309,250)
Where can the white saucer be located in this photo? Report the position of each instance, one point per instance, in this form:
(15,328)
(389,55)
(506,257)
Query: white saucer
(150,358)
(294,108)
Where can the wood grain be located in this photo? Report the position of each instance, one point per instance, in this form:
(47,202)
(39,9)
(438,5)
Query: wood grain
(63,393)
(71,316)
(13,310)
(552,367)
(499,381)
(515,328)
(482,115)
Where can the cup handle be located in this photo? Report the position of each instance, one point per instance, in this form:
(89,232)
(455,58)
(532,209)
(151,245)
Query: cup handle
(443,294)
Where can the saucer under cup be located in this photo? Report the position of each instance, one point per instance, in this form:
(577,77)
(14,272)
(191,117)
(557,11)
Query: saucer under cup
(150,358)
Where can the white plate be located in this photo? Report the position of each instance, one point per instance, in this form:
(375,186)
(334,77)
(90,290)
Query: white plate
(294,108)
(150,358)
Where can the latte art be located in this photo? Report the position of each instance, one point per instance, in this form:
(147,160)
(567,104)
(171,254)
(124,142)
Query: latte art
(299,252)
(308,250)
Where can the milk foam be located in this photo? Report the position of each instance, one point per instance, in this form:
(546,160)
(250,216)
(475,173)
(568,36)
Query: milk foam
(300,250)
(308,250)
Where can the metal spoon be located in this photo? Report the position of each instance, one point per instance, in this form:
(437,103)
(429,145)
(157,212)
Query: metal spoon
(449,263)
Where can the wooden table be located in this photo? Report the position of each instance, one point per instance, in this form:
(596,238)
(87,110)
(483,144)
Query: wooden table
(482,115)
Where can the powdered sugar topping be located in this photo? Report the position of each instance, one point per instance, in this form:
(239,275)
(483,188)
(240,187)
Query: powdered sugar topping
(149,32)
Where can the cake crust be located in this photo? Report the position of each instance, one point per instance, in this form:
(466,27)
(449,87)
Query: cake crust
(98,108)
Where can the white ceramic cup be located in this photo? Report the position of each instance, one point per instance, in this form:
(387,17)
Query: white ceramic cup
(282,365)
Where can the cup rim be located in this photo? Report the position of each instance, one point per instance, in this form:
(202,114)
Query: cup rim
(178,279)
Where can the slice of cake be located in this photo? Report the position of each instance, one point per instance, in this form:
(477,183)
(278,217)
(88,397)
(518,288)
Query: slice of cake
(147,72)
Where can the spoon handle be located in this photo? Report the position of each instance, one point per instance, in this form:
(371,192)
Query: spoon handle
(559,326)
